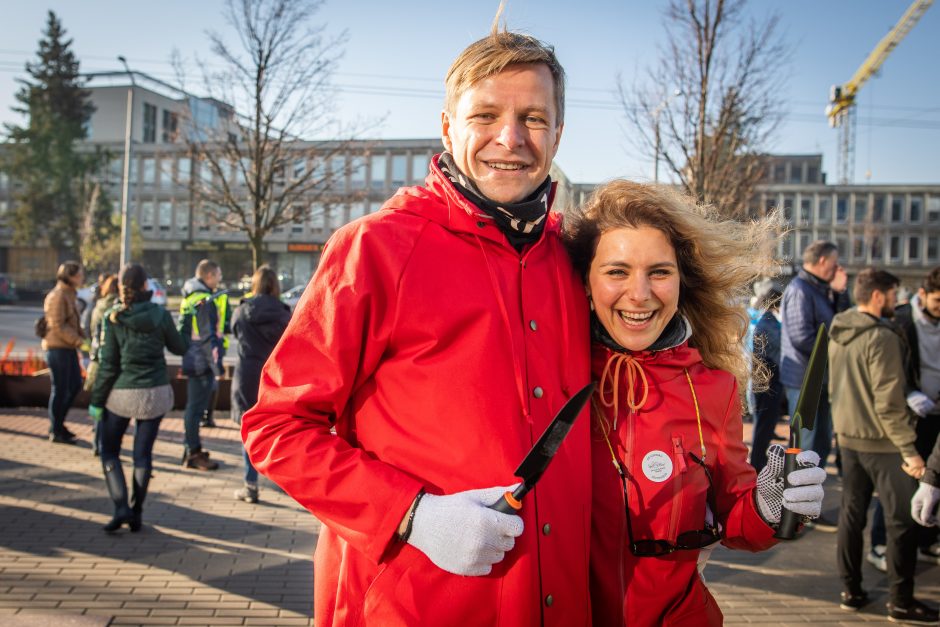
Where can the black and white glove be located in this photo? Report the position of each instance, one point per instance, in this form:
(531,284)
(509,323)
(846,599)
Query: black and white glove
(461,534)
(804,497)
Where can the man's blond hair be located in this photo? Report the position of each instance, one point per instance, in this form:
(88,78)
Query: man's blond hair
(493,54)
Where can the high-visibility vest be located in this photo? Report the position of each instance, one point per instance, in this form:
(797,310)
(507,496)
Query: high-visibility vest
(221,315)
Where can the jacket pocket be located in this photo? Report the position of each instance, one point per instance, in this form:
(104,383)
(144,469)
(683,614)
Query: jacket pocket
(696,608)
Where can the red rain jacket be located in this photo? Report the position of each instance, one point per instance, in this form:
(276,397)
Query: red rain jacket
(667,590)
(439,354)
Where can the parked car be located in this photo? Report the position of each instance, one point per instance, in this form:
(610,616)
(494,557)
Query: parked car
(7,290)
(291,296)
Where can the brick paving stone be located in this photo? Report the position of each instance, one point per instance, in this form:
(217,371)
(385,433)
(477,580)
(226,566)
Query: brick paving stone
(205,559)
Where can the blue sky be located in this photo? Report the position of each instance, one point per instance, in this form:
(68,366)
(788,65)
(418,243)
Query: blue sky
(398,53)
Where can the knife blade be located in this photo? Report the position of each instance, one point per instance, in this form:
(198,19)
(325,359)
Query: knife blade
(535,463)
(804,417)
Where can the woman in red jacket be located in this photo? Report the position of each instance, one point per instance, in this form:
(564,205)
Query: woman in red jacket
(669,464)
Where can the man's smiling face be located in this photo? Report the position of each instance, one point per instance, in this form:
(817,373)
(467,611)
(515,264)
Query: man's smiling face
(504,131)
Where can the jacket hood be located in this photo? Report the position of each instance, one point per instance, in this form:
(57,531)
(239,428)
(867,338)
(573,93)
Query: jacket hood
(850,325)
(143,317)
(193,285)
(262,309)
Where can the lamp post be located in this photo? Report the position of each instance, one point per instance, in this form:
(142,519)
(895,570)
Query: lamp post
(125,187)
(656,113)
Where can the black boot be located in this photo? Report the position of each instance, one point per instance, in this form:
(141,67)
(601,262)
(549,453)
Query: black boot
(117,488)
(138,494)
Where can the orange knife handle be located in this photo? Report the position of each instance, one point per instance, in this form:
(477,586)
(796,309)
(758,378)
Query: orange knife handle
(511,502)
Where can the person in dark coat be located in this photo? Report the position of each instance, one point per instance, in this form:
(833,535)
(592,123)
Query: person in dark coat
(258,324)
(768,403)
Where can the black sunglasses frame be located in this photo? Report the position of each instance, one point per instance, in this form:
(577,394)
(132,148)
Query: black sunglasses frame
(685,541)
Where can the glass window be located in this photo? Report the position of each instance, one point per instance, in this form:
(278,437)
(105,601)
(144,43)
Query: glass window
(796,173)
(913,248)
(338,173)
(357,173)
(166,215)
(358,209)
(319,176)
(806,210)
(933,247)
(894,248)
(812,174)
(786,247)
(374,206)
(205,173)
(169,126)
(150,171)
(825,210)
(933,209)
(917,209)
(878,209)
(842,244)
(298,169)
(858,248)
(150,123)
(316,219)
(146,215)
(337,216)
(378,172)
(203,218)
(4,180)
(780,173)
(297,226)
(897,209)
(842,209)
(182,217)
(419,167)
(788,208)
(4,208)
(877,250)
(183,167)
(116,171)
(399,167)
(861,209)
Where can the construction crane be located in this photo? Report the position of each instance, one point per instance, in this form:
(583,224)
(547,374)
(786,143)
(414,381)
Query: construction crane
(841,109)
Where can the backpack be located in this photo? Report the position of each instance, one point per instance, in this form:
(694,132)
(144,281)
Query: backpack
(41,326)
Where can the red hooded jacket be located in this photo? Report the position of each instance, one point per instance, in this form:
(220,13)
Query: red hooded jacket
(666,488)
(438,355)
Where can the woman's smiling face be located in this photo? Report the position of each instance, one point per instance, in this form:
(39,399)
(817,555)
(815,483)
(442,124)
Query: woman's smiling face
(634,285)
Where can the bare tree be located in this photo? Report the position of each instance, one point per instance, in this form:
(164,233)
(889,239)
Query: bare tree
(708,108)
(268,94)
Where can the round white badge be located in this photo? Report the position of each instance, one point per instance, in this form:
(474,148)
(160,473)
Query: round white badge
(657,466)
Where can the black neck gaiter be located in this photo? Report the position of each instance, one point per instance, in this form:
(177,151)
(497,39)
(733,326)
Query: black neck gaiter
(522,222)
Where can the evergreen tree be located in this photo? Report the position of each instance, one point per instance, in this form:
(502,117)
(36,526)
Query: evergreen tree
(53,195)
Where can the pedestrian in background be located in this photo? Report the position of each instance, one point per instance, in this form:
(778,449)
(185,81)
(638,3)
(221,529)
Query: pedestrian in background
(866,359)
(769,403)
(108,295)
(132,383)
(202,363)
(257,324)
(61,341)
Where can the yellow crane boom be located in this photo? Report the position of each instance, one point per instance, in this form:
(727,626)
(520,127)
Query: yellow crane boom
(840,110)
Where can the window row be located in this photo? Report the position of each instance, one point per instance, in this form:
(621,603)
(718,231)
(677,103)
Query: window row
(857,208)
(378,172)
(873,249)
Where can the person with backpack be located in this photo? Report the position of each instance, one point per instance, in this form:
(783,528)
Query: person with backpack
(108,294)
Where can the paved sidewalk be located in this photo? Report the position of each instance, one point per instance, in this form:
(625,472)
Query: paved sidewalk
(206,559)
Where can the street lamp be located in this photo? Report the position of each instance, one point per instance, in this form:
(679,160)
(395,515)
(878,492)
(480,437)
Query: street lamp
(125,191)
(656,114)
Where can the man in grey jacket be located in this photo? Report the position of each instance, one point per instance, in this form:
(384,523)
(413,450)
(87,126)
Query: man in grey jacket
(866,359)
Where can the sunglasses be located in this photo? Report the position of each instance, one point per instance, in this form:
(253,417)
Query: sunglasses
(685,541)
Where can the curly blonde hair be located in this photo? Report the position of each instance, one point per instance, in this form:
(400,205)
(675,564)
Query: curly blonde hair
(718,259)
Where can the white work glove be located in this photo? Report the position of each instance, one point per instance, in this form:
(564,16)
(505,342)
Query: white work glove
(920,403)
(804,497)
(924,505)
(461,534)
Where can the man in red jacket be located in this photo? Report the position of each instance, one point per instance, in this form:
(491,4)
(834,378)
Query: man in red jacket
(432,347)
